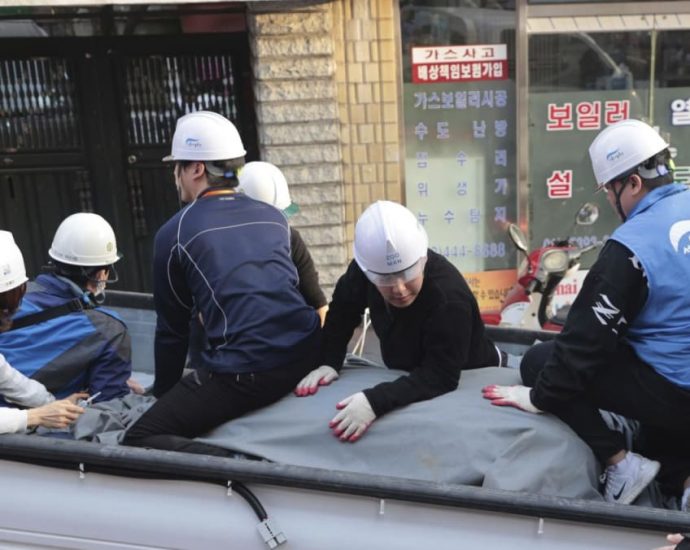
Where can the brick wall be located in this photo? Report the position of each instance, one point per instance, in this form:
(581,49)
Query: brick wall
(327,100)
(367,74)
(298,128)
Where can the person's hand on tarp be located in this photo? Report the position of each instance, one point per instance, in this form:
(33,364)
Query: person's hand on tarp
(322,376)
(354,418)
(510,396)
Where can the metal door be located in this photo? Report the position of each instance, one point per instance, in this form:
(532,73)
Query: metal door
(84,123)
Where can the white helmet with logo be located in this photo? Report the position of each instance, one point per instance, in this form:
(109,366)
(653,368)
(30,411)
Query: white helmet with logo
(389,239)
(12,270)
(622,147)
(265,182)
(205,136)
(84,239)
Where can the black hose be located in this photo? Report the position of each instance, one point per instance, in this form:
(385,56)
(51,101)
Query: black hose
(253,501)
(237,486)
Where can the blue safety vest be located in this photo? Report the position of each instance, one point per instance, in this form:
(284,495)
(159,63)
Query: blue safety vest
(658,233)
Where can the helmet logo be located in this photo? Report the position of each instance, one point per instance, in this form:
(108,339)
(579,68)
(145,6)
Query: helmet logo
(392,255)
(192,143)
(6,269)
(109,247)
(614,155)
(393,259)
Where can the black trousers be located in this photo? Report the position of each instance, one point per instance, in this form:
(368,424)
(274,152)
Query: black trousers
(203,400)
(629,387)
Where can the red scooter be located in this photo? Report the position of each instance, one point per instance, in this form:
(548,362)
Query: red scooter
(528,304)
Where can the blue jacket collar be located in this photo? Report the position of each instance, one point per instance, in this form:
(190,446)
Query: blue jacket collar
(61,286)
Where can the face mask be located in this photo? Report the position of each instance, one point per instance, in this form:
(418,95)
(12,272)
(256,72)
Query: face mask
(100,288)
(99,295)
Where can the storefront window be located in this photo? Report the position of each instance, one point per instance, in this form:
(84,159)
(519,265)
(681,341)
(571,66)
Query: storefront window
(460,131)
(601,78)
(671,97)
(459,110)
(579,83)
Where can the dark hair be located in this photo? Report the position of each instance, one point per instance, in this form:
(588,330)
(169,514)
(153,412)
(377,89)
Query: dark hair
(223,172)
(9,303)
(78,274)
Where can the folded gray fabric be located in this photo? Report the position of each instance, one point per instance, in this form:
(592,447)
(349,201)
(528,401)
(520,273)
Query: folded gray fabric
(106,422)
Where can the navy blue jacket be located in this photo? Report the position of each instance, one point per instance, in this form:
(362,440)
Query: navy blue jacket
(227,257)
(88,350)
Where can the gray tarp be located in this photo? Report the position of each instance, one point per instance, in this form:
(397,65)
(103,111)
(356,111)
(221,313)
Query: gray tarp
(456,438)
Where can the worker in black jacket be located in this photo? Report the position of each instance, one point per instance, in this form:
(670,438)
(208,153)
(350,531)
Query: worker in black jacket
(265,182)
(422,310)
(625,344)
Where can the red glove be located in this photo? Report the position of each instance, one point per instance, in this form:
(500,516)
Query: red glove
(354,418)
(322,376)
(510,396)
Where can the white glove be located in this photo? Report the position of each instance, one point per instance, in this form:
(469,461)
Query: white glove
(510,396)
(322,376)
(354,418)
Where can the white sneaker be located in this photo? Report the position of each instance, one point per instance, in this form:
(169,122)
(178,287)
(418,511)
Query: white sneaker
(627,479)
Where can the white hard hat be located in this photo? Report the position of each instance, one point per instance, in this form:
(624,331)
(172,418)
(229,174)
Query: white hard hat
(12,270)
(84,239)
(205,136)
(622,147)
(388,239)
(265,182)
